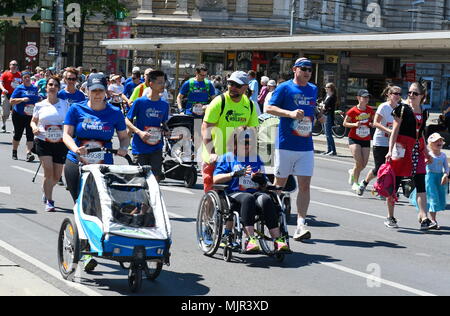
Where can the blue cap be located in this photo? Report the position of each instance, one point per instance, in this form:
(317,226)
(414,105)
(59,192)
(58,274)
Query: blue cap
(303,62)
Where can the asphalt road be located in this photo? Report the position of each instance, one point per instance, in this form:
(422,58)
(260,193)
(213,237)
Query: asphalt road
(351,252)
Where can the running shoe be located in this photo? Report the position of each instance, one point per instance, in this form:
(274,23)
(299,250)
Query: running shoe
(350,177)
(206,235)
(391,222)
(89,263)
(50,206)
(435,225)
(281,244)
(252,245)
(355,187)
(361,189)
(302,233)
(4,129)
(14,155)
(425,224)
(30,157)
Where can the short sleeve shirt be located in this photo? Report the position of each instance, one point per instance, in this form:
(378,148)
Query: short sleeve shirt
(72,98)
(198,94)
(365,117)
(380,138)
(295,135)
(51,118)
(93,129)
(11,80)
(234,115)
(149,116)
(30,92)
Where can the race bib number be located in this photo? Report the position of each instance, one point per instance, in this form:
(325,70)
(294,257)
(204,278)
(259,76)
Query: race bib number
(398,152)
(15,83)
(28,109)
(197,109)
(363,131)
(303,128)
(53,133)
(246,183)
(155,135)
(93,158)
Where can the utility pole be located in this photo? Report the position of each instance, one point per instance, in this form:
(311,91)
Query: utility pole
(60,34)
(292,17)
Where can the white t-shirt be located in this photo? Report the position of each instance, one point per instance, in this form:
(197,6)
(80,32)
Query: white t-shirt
(118,89)
(51,118)
(164,95)
(380,138)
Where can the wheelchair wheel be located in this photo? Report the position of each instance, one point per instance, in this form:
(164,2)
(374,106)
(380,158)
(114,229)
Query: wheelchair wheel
(265,241)
(68,249)
(227,253)
(209,223)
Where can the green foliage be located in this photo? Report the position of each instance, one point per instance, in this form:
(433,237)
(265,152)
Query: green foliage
(9,7)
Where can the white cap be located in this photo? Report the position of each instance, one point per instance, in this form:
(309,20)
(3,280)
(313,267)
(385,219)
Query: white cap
(435,137)
(135,69)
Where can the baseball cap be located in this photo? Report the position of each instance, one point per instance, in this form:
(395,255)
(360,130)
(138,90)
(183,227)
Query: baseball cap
(136,69)
(272,83)
(363,93)
(96,81)
(434,137)
(239,77)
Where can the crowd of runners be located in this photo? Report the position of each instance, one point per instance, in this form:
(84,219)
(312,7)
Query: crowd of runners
(63,113)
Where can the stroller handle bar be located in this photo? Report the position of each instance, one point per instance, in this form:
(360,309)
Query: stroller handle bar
(109,151)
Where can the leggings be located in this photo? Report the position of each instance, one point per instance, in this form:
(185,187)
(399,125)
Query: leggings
(419,183)
(379,156)
(21,123)
(252,204)
(72,175)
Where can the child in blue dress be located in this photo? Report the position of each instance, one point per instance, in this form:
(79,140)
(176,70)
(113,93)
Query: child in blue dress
(436,178)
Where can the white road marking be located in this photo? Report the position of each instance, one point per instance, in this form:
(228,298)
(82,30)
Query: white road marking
(5,190)
(375,279)
(28,170)
(325,190)
(56,274)
(177,190)
(347,209)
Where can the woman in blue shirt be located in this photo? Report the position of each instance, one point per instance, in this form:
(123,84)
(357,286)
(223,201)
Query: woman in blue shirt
(23,99)
(92,124)
(238,169)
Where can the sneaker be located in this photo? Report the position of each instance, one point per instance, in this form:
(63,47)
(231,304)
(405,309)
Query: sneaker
(425,224)
(14,155)
(361,189)
(350,176)
(50,206)
(301,233)
(61,182)
(281,245)
(433,225)
(331,153)
(391,222)
(355,187)
(252,245)
(89,263)
(4,129)
(206,235)
(30,157)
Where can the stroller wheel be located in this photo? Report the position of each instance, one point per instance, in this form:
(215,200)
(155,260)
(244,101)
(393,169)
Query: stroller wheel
(135,279)
(190,178)
(153,269)
(68,249)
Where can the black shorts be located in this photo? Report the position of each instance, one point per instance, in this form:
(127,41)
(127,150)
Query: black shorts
(58,151)
(153,159)
(362,143)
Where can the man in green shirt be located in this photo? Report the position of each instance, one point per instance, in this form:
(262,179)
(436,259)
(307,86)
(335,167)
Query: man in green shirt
(223,115)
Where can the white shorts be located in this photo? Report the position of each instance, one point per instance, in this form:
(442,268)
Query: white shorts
(296,163)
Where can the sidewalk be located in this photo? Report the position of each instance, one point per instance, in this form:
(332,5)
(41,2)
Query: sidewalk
(16,281)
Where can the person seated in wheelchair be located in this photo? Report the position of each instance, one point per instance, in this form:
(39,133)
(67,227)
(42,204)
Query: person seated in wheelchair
(243,171)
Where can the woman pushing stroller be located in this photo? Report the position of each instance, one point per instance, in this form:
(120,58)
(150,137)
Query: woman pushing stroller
(243,171)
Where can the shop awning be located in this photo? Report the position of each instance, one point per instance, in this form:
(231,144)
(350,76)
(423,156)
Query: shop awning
(433,43)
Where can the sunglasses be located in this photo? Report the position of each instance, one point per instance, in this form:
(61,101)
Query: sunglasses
(71,79)
(308,69)
(52,85)
(234,84)
(396,93)
(416,94)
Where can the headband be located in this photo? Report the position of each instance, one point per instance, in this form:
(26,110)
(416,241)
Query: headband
(303,63)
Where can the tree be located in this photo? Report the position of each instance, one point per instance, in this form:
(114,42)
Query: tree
(9,7)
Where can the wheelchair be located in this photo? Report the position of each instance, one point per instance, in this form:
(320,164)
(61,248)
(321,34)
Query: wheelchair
(216,208)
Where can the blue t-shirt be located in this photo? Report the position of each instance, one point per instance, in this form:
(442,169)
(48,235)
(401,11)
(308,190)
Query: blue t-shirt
(230,162)
(25,108)
(94,129)
(295,135)
(72,98)
(199,94)
(149,116)
(129,85)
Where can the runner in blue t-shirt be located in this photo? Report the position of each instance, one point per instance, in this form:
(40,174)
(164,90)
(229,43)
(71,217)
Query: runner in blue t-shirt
(92,124)
(70,92)
(150,113)
(198,91)
(295,103)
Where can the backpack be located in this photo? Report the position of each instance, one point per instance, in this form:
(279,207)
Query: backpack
(385,184)
(222,107)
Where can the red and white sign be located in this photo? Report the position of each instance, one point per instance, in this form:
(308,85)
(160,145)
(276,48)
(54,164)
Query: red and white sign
(31,50)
